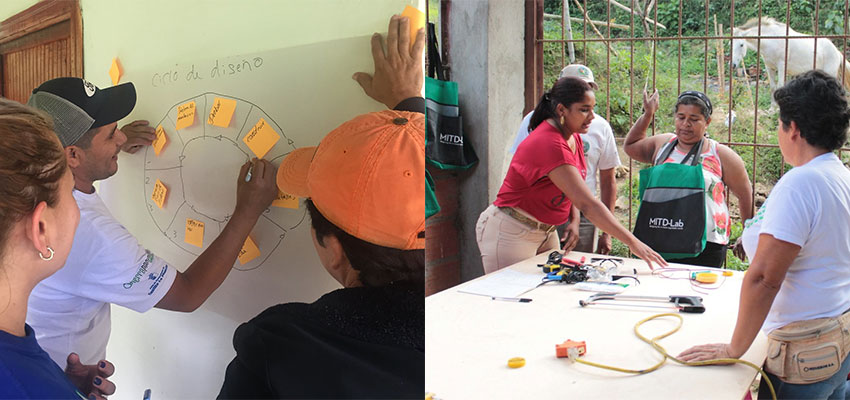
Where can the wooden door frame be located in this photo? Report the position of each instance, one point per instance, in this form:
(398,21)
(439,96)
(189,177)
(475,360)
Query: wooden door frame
(42,15)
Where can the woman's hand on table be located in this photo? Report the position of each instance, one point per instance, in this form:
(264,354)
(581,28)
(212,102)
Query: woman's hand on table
(706,352)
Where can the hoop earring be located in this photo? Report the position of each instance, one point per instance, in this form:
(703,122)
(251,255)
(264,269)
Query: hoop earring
(48,258)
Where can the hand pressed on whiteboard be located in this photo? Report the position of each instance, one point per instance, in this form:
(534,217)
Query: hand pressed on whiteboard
(255,194)
(139,134)
(398,72)
(90,379)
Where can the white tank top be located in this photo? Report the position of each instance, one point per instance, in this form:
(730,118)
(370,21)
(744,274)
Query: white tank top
(716,210)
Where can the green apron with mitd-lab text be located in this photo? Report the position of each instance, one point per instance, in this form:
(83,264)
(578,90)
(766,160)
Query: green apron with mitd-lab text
(671,219)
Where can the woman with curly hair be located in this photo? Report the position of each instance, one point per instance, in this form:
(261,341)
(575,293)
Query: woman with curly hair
(797,289)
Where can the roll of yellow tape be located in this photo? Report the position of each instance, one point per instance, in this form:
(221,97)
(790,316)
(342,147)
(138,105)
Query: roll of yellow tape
(706,277)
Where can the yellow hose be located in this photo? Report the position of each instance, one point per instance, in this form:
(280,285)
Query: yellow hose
(654,343)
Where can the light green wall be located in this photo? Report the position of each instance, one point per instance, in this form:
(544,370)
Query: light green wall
(144,34)
(9,8)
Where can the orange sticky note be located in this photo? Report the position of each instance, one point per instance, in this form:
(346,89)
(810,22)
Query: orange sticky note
(194,232)
(160,141)
(417,20)
(185,115)
(285,200)
(115,71)
(261,138)
(249,251)
(159,193)
(221,112)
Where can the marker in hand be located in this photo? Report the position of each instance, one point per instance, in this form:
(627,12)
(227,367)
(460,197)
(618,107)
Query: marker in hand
(248,175)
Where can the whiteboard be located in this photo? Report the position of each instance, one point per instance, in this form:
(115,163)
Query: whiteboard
(303,92)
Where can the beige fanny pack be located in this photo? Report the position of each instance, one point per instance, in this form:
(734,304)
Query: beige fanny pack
(810,351)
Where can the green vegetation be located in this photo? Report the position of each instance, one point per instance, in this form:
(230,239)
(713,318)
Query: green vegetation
(675,65)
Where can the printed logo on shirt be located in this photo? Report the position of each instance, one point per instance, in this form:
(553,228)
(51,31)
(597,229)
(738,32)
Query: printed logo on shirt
(666,223)
(156,279)
(143,269)
(448,138)
(557,200)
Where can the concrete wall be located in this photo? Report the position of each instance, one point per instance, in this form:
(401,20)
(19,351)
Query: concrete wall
(486,55)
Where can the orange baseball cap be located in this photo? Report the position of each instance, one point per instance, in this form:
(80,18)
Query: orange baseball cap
(367,177)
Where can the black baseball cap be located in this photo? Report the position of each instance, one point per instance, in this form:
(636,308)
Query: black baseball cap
(77,105)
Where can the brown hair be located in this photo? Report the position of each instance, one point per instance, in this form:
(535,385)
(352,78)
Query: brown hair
(32,162)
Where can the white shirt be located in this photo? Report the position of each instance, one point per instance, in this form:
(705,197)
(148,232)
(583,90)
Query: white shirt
(809,207)
(600,149)
(70,310)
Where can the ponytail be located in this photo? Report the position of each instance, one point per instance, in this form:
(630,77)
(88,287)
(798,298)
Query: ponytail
(565,91)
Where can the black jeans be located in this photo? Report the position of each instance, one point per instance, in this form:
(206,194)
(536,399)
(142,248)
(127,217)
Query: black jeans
(713,255)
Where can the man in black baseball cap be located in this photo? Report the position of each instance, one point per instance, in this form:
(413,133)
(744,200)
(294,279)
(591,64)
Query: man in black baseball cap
(77,105)
(70,310)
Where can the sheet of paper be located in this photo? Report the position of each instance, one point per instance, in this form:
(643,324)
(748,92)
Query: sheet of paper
(261,138)
(160,141)
(249,251)
(221,112)
(417,20)
(504,283)
(159,193)
(115,71)
(185,115)
(194,232)
(285,200)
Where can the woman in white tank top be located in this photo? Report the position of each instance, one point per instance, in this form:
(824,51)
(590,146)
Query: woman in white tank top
(722,167)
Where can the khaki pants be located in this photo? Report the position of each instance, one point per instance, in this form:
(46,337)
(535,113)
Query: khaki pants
(504,241)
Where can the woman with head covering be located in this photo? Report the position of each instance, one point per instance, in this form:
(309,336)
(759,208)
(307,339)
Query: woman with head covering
(797,289)
(38,217)
(544,186)
(721,166)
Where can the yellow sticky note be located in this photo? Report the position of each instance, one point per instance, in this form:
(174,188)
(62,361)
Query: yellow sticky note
(194,232)
(417,20)
(159,193)
(115,71)
(221,112)
(160,141)
(249,251)
(261,138)
(185,115)
(285,200)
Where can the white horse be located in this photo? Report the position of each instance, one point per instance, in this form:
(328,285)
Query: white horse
(801,52)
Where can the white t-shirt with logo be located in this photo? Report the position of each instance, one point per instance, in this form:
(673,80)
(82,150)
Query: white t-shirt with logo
(809,207)
(600,149)
(70,310)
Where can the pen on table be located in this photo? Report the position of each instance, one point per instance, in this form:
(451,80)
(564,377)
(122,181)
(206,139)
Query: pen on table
(514,299)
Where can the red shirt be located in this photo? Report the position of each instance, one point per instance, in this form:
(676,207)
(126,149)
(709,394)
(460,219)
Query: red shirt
(527,185)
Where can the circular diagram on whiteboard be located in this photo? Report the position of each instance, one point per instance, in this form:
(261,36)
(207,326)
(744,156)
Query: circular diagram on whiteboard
(192,167)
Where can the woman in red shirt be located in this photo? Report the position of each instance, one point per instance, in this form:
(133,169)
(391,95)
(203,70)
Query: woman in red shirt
(544,186)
